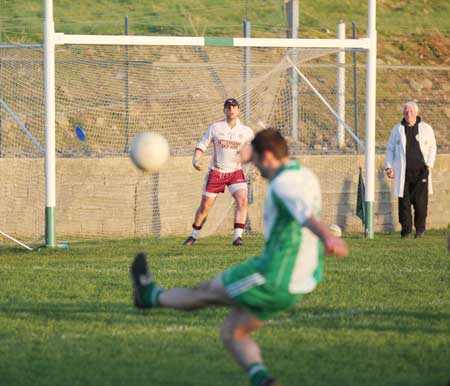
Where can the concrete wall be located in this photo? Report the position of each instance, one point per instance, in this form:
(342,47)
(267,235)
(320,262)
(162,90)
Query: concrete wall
(108,197)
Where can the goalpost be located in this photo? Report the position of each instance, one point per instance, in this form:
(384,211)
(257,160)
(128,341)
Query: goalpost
(53,40)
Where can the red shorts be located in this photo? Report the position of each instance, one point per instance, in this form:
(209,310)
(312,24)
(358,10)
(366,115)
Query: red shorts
(215,182)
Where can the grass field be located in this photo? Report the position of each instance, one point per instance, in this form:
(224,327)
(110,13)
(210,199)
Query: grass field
(407,29)
(215,17)
(381,317)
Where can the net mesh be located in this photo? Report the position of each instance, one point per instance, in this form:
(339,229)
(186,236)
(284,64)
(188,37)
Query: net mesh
(114,92)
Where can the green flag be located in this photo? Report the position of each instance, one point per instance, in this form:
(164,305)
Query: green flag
(360,207)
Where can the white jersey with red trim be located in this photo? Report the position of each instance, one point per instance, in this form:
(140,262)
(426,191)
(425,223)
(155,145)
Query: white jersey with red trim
(227,142)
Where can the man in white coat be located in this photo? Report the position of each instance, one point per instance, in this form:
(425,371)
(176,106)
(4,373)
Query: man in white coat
(410,155)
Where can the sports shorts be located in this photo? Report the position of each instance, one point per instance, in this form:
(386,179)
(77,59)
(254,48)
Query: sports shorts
(215,182)
(248,288)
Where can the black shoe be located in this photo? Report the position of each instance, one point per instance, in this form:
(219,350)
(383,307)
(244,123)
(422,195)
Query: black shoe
(419,235)
(406,236)
(238,242)
(190,241)
(270,382)
(141,278)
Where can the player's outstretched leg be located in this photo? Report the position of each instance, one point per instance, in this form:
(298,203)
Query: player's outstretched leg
(145,292)
(147,295)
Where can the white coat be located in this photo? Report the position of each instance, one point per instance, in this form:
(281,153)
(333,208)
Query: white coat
(396,154)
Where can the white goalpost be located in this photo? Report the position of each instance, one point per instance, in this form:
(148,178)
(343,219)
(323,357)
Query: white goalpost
(50,154)
(264,88)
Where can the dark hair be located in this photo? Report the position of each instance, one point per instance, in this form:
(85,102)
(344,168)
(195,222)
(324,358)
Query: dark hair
(270,139)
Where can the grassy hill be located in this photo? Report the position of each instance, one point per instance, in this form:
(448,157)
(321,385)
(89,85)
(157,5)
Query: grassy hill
(410,31)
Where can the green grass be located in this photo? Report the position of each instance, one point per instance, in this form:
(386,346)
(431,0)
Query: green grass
(22,20)
(381,317)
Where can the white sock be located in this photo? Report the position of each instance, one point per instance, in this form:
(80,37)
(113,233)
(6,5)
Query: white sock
(195,233)
(237,233)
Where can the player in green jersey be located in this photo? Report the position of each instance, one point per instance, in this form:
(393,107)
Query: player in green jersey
(290,265)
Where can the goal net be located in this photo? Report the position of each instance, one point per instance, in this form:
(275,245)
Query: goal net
(112,92)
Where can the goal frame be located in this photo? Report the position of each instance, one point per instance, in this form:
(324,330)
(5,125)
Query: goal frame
(52,39)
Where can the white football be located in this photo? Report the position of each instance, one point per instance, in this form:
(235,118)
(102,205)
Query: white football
(149,151)
(335,230)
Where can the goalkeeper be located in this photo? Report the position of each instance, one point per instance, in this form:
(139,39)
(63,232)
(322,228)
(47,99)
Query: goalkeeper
(228,136)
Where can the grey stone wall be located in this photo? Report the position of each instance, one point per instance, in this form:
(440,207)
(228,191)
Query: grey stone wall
(109,198)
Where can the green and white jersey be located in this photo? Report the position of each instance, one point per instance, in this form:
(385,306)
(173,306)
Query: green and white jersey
(293,255)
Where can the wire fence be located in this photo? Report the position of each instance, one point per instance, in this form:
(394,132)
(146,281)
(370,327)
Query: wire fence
(428,86)
(21,87)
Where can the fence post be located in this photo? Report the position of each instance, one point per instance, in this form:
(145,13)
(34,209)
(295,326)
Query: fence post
(1,122)
(247,34)
(292,7)
(340,92)
(355,88)
(127,112)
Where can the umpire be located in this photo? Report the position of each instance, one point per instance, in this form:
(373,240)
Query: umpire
(410,154)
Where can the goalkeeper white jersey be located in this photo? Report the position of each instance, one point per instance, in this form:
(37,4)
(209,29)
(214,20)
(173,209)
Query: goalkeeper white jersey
(227,143)
(293,255)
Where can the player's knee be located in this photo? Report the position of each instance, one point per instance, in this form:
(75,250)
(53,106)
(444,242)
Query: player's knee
(205,206)
(231,333)
(202,211)
(207,294)
(206,210)
(242,202)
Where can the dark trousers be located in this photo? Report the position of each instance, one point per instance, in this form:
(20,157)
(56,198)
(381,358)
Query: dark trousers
(415,193)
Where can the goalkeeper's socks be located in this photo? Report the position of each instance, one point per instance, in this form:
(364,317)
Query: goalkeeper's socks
(195,233)
(257,373)
(196,230)
(238,230)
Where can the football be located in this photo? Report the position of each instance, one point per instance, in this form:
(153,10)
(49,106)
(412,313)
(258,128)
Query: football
(149,151)
(335,230)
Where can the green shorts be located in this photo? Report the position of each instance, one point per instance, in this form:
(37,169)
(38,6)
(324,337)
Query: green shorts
(248,288)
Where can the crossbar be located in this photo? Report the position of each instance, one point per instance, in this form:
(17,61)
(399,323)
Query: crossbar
(61,38)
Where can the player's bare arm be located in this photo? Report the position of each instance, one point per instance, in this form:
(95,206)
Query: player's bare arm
(246,153)
(196,159)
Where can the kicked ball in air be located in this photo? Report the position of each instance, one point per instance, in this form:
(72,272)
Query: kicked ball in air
(149,151)
(335,230)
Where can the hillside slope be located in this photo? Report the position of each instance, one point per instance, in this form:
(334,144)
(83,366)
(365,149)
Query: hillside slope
(410,32)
